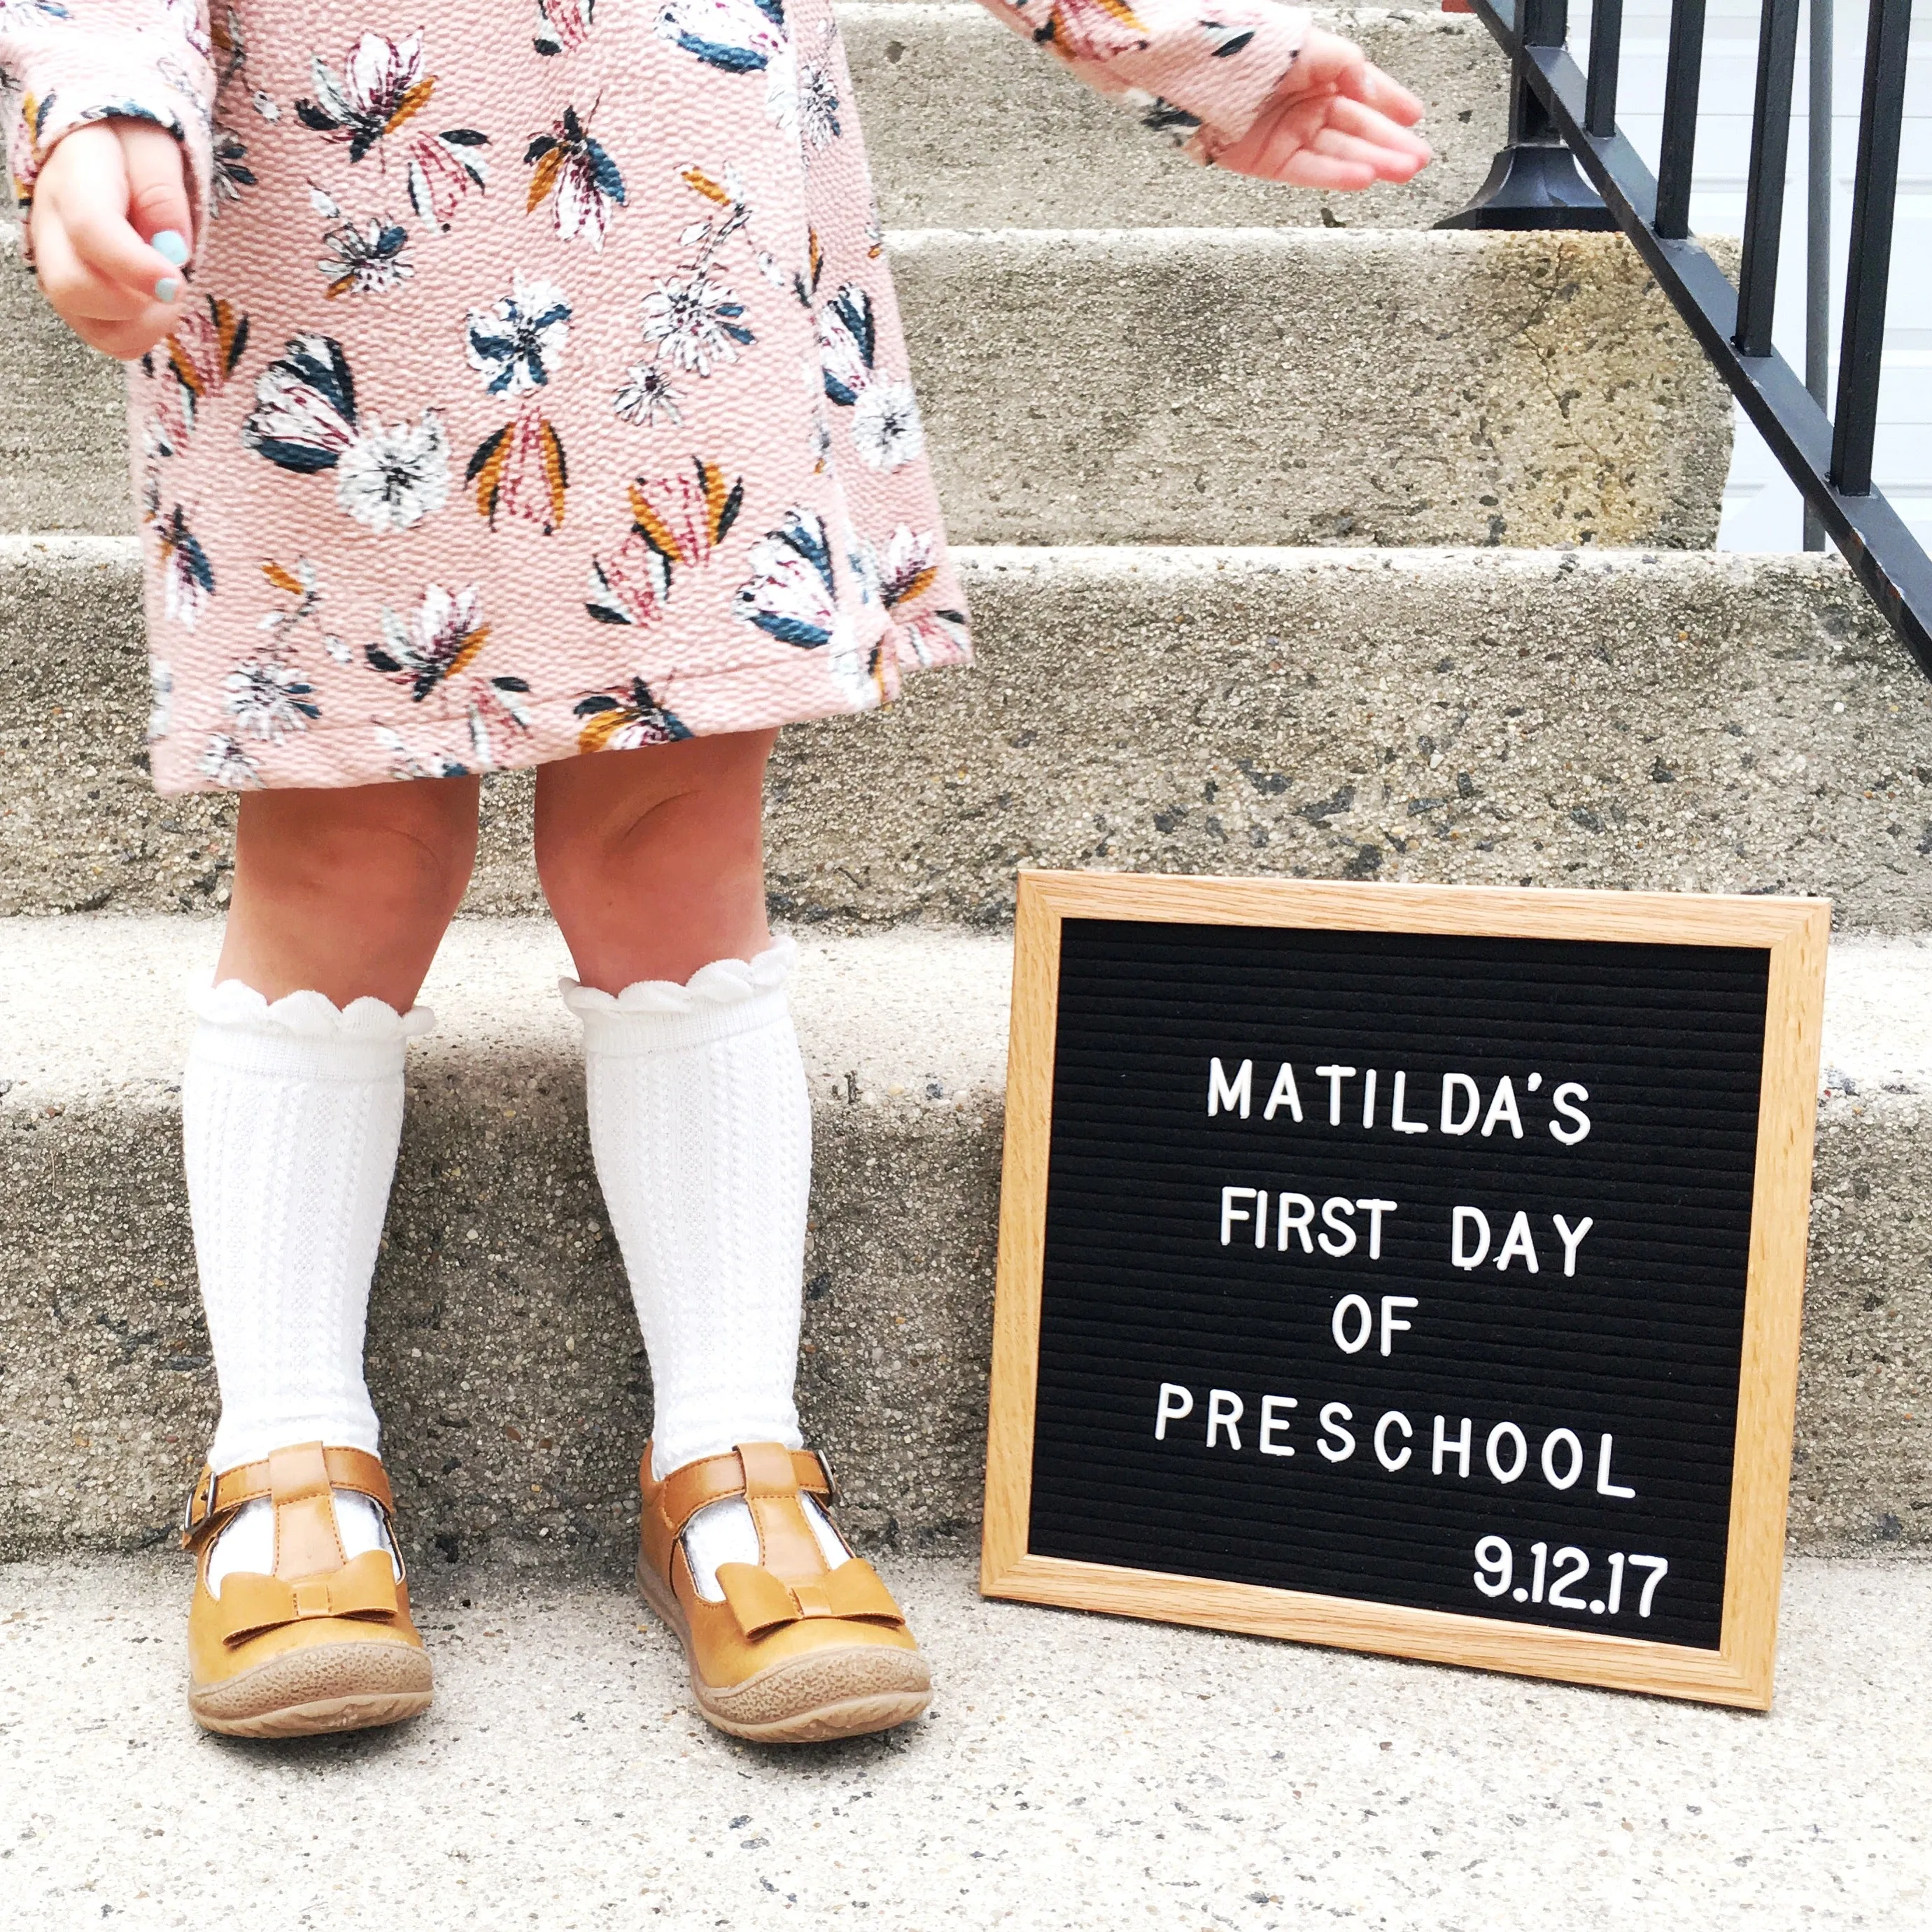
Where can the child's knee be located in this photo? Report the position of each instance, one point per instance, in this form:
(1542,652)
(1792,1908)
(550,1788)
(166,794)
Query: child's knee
(394,849)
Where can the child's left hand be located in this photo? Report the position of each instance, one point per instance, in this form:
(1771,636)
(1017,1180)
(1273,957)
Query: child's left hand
(1335,122)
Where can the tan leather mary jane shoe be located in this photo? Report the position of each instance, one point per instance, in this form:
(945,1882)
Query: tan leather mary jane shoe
(794,1650)
(323,1643)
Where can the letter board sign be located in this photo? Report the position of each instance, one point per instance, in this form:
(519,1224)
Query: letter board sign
(1416,1269)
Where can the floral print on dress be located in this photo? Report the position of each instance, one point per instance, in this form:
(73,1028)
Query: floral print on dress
(583,185)
(677,522)
(381,89)
(627,722)
(542,390)
(306,420)
(886,427)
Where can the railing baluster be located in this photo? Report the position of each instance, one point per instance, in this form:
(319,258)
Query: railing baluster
(1868,272)
(1606,47)
(1764,192)
(1818,234)
(1682,79)
(1833,471)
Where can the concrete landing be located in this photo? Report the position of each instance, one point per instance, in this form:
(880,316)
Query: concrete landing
(1075,1774)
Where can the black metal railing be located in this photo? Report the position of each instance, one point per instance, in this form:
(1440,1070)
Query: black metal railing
(1567,165)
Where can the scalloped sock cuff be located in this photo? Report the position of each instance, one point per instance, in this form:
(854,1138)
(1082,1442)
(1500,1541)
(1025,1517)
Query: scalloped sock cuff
(702,1133)
(290,1116)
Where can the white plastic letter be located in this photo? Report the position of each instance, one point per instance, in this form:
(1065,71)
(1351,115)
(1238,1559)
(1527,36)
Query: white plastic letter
(1392,1324)
(1575,1454)
(1517,1242)
(1226,1096)
(1452,1084)
(1463,1257)
(1175,1403)
(1333,1414)
(1382,1456)
(1347,1307)
(1334,1076)
(1271,1423)
(1283,1095)
(1396,1120)
(1297,1219)
(1375,1211)
(1230,1214)
(1605,1487)
(1369,1098)
(1224,1411)
(1571,1112)
(1338,1211)
(1572,1239)
(1495,1462)
(1503,1108)
(1460,1449)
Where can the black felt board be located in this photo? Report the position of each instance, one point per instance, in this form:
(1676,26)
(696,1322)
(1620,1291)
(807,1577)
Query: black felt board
(1642,1344)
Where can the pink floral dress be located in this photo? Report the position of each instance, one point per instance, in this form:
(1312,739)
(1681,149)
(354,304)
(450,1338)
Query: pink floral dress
(540,388)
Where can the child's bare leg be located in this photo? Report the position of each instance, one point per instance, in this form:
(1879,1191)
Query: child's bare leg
(653,860)
(653,864)
(701,1128)
(347,893)
(291,1114)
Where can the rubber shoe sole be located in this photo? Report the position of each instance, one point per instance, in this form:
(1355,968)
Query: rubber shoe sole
(332,1688)
(850,1691)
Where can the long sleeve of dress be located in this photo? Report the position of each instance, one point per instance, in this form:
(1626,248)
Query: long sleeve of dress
(1203,69)
(64,63)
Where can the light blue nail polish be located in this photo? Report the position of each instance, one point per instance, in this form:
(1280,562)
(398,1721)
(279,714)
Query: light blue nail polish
(164,289)
(170,246)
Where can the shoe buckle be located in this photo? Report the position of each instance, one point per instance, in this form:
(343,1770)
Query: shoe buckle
(831,1480)
(191,1521)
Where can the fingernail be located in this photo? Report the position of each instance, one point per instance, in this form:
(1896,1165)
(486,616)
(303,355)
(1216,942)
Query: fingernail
(171,247)
(166,289)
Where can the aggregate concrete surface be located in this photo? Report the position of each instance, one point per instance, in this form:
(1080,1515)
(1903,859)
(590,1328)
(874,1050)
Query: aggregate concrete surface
(1075,1774)
(502,1352)
(1661,719)
(967,127)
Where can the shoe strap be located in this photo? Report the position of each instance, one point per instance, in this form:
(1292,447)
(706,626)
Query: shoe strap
(288,1475)
(765,1474)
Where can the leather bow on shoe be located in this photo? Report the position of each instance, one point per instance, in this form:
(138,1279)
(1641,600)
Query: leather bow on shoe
(763,1602)
(364,1588)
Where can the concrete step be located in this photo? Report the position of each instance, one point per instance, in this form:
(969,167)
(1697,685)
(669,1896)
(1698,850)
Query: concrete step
(967,127)
(1720,723)
(1207,384)
(502,1351)
(1074,1773)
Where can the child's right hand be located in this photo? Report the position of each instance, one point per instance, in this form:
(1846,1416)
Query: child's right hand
(111,226)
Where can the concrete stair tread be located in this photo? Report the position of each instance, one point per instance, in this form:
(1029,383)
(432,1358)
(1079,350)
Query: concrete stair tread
(503,1353)
(965,121)
(1672,719)
(1075,1772)
(91,1006)
(1286,385)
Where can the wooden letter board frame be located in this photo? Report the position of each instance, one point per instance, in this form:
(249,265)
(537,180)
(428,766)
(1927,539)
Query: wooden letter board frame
(1794,931)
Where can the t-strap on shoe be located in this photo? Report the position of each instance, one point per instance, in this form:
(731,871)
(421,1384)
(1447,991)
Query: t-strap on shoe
(793,1648)
(323,1642)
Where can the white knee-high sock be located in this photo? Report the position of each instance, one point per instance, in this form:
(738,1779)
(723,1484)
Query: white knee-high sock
(290,1116)
(702,1133)
(701,1129)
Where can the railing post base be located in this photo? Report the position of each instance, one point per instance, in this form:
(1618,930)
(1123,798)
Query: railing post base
(1534,181)
(1533,186)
